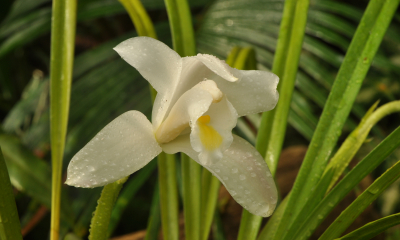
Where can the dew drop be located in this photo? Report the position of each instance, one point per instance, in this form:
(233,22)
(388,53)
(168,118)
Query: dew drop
(242,177)
(234,170)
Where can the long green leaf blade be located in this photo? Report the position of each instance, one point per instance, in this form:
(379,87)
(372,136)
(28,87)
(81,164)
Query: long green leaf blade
(372,229)
(180,20)
(61,64)
(10,228)
(363,168)
(154,222)
(348,81)
(361,203)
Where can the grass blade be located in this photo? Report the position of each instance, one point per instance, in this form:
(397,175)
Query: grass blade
(317,196)
(61,64)
(348,81)
(209,198)
(354,141)
(372,229)
(180,20)
(361,203)
(363,168)
(154,223)
(10,228)
(140,18)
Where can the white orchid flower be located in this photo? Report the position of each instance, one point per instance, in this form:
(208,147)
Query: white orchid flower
(198,102)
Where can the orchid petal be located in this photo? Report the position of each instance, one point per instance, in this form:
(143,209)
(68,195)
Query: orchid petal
(155,61)
(219,67)
(190,106)
(121,148)
(223,118)
(252,92)
(243,172)
(158,64)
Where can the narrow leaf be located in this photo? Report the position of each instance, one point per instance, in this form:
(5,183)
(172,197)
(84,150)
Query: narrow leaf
(361,203)
(61,64)
(362,169)
(370,230)
(10,228)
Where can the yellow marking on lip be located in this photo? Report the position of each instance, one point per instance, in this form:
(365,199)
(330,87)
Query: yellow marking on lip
(209,137)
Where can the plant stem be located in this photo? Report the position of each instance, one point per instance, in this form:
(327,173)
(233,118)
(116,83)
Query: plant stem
(101,218)
(180,21)
(139,17)
(61,63)
(209,198)
(191,186)
(168,196)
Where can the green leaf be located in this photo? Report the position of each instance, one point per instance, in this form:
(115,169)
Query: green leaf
(61,64)
(210,186)
(140,18)
(348,81)
(361,203)
(362,169)
(28,173)
(269,231)
(370,230)
(154,223)
(354,141)
(316,197)
(180,20)
(10,228)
